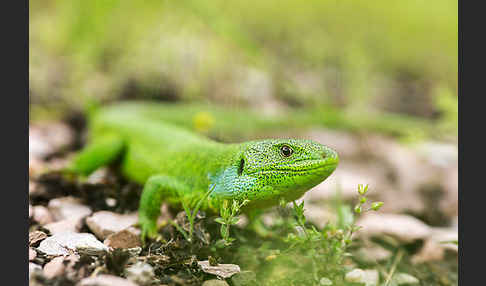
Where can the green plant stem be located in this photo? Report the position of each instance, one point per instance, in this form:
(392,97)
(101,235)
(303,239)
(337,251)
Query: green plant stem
(394,266)
(180,229)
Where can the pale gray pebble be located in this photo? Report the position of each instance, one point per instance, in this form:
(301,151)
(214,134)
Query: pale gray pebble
(70,242)
(105,280)
(221,270)
(324,281)
(215,282)
(140,273)
(135,251)
(369,277)
(68,208)
(404,278)
(405,228)
(41,215)
(104,223)
(72,225)
(46,139)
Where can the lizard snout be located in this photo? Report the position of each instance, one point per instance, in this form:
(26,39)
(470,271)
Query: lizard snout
(330,155)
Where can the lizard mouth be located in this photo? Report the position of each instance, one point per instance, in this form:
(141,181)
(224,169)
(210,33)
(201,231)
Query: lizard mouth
(299,167)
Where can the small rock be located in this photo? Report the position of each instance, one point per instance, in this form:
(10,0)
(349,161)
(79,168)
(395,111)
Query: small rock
(42,215)
(325,281)
(403,278)
(111,202)
(355,275)
(32,254)
(215,282)
(410,171)
(140,273)
(69,242)
(54,268)
(318,215)
(58,265)
(100,176)
(373,253)
(68,208)
(438,154)
(38,147)
(369,277)
(244,278)
(104,223)
(65,225)
(135,251)
(36,167)
(105,280)
(445,237)
(126,238)
(49,138)
(221,270)
(32,188)
(404,227)
(436,245)
(34,268)
(36,237)
(36,189)
(430,251)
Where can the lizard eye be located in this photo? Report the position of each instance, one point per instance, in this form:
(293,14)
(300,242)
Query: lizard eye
(286,150)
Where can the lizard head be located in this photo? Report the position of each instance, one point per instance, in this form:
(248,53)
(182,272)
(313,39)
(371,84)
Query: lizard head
(276,168)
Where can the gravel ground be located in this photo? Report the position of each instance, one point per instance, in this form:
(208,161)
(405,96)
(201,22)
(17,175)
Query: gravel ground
(85,232)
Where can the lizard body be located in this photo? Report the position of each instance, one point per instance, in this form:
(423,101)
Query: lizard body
(174,163)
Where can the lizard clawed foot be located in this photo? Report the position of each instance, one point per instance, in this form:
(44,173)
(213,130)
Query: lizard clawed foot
(149,229)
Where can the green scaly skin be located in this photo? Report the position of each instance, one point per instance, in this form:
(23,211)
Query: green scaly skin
(175,164)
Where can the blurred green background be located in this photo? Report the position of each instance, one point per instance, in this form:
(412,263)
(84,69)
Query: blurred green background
(388,66)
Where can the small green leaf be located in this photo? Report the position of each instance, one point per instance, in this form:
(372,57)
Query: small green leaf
(234,220)
(376,205)
(219,220)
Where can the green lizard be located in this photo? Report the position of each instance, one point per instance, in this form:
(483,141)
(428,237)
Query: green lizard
(174,163)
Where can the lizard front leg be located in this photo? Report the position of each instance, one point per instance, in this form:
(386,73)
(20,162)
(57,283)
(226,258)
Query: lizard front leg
(156,189)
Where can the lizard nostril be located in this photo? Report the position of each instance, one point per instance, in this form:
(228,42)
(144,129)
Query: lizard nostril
(324,155)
